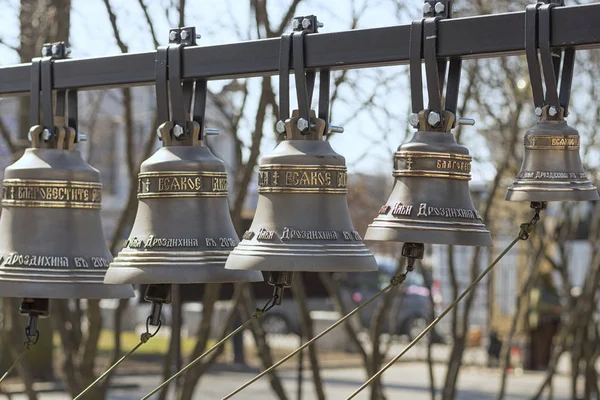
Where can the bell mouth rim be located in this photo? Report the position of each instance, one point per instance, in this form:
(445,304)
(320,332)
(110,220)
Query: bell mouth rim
(65,290)
(147,273)
(429,235)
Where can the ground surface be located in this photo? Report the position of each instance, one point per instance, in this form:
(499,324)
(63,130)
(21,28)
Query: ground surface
(405,381)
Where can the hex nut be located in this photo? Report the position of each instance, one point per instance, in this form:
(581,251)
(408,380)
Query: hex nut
(302,124)
(46,135)
(413,120)
(538,111)
(296,24)
(184,35)
(427,9)
(552,111)
(434,118)
(439,7)
(173,35)
(178,131)
(306,23)
(280,126)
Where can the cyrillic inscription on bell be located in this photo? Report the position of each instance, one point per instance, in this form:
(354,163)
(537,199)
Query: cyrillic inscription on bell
(302,221)
(430,201)
(52,243)
(182,232)
(552,168)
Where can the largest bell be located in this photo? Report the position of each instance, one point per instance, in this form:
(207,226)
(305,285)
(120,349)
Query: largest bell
(183,231)
(51,241)
(430,201)
(302,222)
(552,168)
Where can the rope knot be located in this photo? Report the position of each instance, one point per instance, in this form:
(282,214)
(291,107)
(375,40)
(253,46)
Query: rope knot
(144,337)
(397,280)
(526,229)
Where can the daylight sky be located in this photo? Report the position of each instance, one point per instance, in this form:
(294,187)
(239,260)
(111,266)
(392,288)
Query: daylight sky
(367,144)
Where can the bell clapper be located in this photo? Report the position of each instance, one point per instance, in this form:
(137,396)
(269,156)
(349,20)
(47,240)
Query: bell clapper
(158,295)
(412,252)
(280,280)
(34,308)
(527,228)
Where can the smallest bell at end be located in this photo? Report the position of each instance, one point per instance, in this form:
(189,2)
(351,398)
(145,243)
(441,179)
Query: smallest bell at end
(552,169)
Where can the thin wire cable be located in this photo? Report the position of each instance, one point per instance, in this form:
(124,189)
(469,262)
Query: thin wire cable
(395,281)
(524,232)
(144,337)
(258,314)
(31,341)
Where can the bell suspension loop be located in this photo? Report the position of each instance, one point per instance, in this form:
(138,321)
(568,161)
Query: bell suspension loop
(525,230)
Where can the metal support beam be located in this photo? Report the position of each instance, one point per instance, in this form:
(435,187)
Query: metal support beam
(480,36)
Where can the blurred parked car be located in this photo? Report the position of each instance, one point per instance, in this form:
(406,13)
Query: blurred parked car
(412,306)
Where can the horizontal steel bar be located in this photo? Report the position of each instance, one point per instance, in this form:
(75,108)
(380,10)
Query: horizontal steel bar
(480,36)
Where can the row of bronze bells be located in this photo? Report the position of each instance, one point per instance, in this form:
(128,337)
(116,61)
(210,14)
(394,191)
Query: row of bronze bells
(52,244)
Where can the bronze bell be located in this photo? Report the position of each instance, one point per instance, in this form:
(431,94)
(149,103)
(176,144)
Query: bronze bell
(52,244)
(183,231)
(430,201)
(552,168)
(302,221)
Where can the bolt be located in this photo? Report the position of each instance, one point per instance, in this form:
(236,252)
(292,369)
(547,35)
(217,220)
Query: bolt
(81,137)
(173,36)
(427,9)
(198,36)
(465,121)
(306,23)
(552,111)
(334,129)
(211,131)
(184,35)
(178,131)
(320,24)
(439,7)
(296,24)
(302,124)
(46,135)
(45,51)
(280,127)
(538,111)
(413,119)
(55,49)
(433,118)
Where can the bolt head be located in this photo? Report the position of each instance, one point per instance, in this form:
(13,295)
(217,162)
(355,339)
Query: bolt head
(302,124)
(55,49)
(178,131)
(413,120)
(46,135)
(81,137)
(439,7)
(306,23)
(427,9)
(538,111)
(280,126)
(45,51)
(434,118)
(296,24)
(184,34)
(173,35)
(552,111)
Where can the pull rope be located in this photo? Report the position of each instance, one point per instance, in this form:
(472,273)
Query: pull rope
(31,341)
(144,337)
(395,281)
(257,315)
(524,232)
